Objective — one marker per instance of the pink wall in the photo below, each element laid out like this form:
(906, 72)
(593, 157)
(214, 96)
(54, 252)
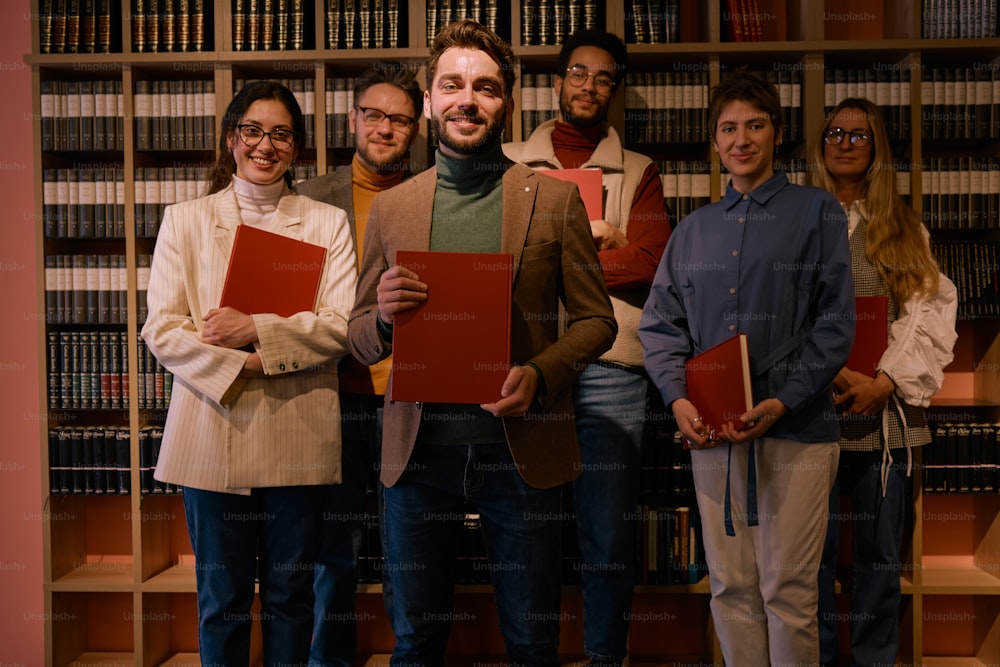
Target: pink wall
(21, 609)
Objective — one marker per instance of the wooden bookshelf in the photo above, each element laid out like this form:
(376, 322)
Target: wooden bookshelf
(119, 572)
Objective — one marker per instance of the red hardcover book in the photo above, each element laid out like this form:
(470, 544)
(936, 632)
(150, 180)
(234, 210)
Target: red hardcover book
(455, 346)
(590, 185)
(271, 273)
(718, 382)
(871, 334)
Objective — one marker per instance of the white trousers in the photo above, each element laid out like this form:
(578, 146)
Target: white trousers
(763, 579)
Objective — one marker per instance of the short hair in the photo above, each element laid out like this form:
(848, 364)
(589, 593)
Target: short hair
(602, 40)
(392, 73)
(743, 85)
(469, 34)
(220, 174)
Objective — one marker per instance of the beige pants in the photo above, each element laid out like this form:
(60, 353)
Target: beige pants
(763, 580)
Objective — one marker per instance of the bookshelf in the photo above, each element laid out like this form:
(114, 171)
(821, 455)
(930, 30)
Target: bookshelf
(118, 568)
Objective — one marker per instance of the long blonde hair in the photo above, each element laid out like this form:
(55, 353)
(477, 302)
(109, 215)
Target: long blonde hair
(895, 239)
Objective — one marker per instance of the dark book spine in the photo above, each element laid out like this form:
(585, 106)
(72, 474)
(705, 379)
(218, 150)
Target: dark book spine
(139, 26)
(103, 26)
(123, 460)
(54, 371)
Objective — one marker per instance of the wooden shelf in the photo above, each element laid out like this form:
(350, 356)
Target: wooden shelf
(104, 660)
(958, 575)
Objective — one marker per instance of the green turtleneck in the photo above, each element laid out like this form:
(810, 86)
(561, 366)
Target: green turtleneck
(468, 205)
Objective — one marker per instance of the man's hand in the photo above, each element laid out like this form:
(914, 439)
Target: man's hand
(757, 421)
(398, 290)
(228, 327)
(607, 236)
(517, 393)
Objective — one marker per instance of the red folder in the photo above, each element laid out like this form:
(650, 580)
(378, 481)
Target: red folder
(871, 333)
(718, 382)
(271, 273)
(590, 185)
(454, 347)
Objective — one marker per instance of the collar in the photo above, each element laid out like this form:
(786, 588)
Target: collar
(256, 196)
(365, 177)
(609, 154)
(473, 171)
(760, 195)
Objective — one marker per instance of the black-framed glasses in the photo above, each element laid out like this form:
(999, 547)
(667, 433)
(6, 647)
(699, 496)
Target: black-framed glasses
(858, 138)
(252, 135)
(373, 118)
(578, 75)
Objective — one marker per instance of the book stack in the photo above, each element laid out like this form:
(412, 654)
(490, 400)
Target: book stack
(85, 202)
(686, 186)
(667, 106)
(962, 458)
(85, 289)
(87, 370)
(668, 545)
(271, 25)
(76, 26)
(887, 85)
(175, 115)
(365, 24)
(89, 460)
(652, 21)
(82, 115)
(973, 267)
(168, 26)
(158, 187)
(961, 193)
(960, 102)
(539, 102)
(742, 20)
(948, 19)
(548, 22)
(304, 91)
(487, 12)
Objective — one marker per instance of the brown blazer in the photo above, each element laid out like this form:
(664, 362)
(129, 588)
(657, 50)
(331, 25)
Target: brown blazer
(546, 229)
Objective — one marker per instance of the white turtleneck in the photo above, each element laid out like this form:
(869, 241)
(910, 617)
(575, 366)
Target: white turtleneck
(259, 203)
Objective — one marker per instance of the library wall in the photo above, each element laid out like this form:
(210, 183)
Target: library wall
(22, 618)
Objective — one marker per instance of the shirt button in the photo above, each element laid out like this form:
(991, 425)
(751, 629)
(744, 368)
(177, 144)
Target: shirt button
(281, 367)
(295, 365)
(732, 290)
(740, 220)
(732, 327)
(744, 197)
(736, 252)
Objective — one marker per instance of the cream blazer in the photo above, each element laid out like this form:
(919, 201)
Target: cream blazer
(224, 433)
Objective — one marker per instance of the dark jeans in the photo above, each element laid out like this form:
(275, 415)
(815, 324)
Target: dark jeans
(269, 535)
(878, 526)
(424, 515)
(334, 641)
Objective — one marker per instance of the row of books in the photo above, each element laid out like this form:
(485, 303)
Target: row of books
(365, 24)
(82, 115)
(686, 186)
(548, 22)
(166, 26)
(158, 187)
(668, 545)
(539, 102)
(270, 25)
(961, 102)
(175, 115)
(88, 370)
(339, 101)
(155, 383)
(85, 289)
(304, 91)
(150, 440)
(653, 22)
(442, 12)
(887, 85)
(90, 460)
(974, 267)
(72, 26)
(84, 202)
(950, 19)
(742, 20)
(962, 459)
(961, 193)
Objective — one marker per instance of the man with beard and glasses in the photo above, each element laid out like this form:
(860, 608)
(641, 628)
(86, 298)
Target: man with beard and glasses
(610, 396)
(383, 121)
(504, 460)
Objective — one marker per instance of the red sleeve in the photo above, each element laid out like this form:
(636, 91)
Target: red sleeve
(647, 232)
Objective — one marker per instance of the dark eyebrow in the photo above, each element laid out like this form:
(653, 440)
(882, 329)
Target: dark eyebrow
(600, 71)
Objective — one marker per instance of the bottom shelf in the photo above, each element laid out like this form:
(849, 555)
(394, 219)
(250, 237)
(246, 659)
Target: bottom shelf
(104, 660)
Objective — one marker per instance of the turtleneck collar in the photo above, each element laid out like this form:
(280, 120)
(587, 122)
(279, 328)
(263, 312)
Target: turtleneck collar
(258, 197)
(365, 177)
(472, 172)
(578, 137)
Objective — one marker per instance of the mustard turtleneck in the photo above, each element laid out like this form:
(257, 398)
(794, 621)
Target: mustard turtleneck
(366, 183)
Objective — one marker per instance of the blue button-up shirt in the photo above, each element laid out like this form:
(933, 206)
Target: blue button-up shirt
(774, 264)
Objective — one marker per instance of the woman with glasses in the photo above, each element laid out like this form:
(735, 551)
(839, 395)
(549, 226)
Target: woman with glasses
(882, 415)
(253, 429)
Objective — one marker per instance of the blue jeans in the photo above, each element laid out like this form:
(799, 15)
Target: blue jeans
(878, 527)
(610, 406)
(334, 641)
(424, 515)
(269, 535)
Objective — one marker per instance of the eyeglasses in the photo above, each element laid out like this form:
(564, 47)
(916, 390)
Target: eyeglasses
(858, 138)
(578, 76)
(252, 135)
(373, 118)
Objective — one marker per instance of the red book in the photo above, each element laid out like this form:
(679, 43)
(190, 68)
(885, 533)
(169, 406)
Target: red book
(271, 273)
(871, 333)
(718, 382)
(590, 185)
(455, 346)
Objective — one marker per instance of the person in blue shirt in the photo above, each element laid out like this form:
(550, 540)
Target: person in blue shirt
(770, 260)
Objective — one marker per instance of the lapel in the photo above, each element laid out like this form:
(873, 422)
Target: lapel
(520, 186)
(418, 195)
